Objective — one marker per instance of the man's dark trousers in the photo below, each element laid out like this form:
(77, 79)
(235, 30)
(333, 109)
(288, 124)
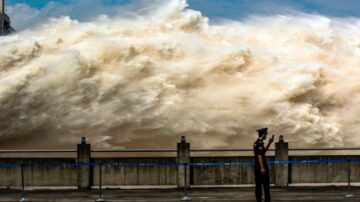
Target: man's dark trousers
(262, 180)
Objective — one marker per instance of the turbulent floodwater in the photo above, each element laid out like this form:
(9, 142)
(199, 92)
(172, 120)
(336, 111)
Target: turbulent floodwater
(145, 81)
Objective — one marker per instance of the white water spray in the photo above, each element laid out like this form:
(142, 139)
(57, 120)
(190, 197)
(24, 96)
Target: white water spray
(146, 81)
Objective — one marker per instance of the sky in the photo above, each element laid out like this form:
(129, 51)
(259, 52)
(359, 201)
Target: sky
(27, 13)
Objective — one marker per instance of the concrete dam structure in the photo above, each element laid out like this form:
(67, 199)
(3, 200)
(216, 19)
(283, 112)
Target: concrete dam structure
(5, 24)
(82, 170)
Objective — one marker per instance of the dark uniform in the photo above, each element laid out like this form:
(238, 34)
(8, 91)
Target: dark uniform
(261, 179)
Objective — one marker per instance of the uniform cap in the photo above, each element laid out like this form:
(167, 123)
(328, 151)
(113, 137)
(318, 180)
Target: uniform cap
(262, 131)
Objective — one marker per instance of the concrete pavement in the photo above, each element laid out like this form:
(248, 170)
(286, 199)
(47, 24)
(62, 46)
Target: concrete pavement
(204, 194)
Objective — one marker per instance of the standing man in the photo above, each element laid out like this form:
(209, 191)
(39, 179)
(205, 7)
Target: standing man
(261, 170)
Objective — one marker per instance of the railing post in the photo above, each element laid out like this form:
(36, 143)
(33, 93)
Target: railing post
(100, 199)
(23, 199)
(282, 169)
(183, 156)
(83, 171)
(349, 194)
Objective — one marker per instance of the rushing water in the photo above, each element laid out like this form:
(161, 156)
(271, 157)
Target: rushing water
(147, 80)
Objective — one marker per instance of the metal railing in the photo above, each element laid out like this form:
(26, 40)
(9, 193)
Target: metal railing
(134, 150)
(39, 151)
(186, 197)
(326, 149)
(224, 150)
(171, 150)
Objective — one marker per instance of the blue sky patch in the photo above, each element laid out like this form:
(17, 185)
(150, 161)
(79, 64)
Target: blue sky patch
(235, 9)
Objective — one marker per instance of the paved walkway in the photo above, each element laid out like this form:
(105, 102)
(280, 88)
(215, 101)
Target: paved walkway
(211, 194)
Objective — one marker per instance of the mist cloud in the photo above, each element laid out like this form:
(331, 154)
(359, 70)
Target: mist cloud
(147, 80)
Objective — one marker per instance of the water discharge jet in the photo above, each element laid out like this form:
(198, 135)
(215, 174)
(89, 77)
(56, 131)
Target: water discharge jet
(125, 82)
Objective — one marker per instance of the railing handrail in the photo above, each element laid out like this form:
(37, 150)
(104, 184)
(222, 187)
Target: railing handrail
(224, 150)
(290, 149)
(38, 151)
(174, 150)
(325, 148)
(134, 150)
